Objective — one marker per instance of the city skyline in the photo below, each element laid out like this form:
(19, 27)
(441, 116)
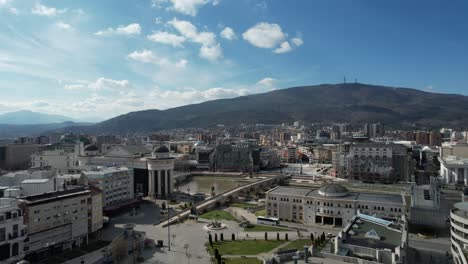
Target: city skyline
(94, 61)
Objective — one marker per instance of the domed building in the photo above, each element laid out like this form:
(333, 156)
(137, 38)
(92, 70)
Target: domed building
(333, 190)
(90, 150)
(331, 204)
(160, 172)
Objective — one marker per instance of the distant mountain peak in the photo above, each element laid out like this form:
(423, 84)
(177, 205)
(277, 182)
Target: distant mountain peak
(28, 117)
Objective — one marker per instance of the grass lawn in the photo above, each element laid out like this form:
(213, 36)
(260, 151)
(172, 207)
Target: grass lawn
(218, 215)
(261, 212)
(265, 228)
(242, 261)
(243, 205)
(244, 247)
(297, 244)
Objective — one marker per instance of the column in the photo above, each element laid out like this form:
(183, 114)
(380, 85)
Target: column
(159, 181)
(167, 188)
(151, 183)
(466, 175)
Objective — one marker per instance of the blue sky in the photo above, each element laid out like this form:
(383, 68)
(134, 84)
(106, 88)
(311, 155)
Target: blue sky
(93, 60)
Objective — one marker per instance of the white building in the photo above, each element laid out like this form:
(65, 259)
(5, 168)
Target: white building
(161, 172)
(12, 231)
(37, 186)
(459, 232)
(116, 183)
(65, 161)
(332, 204)
(454, 170)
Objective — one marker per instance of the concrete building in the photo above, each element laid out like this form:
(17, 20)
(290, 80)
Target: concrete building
(161, 172)
(59, 220)
(17, 156)
(332, 204)
(368, 238)
(374, 130)
(454, 170)
(116, 183)
(37, 186)
(422, 138)
(12, 231)
(457, 150)
(379, 162)
(237, 157)
(459, 232)
(64, 161)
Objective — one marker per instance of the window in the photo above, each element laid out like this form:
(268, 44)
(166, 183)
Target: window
(2, 234)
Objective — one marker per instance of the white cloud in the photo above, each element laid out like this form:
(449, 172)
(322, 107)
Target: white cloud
(187, 7)
(158, 20)
(43, 10)
(167, 38)
(264, 35)
(173, 98)
(211, 53)
(63, 25)
(130, 29)
(109, 84)
(147, 56)
(297, 41)
(283, 48)
(100, 84)
(5, 2)
(268, 82)
(228, 33)
(210, 49)
(13, 10)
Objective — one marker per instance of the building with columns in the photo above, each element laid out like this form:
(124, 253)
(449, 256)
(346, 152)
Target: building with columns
(160, 172)
(454, 170)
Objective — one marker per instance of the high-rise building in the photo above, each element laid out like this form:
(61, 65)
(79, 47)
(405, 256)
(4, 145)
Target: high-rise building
(435, 138)
(374, 130)
(422, 138)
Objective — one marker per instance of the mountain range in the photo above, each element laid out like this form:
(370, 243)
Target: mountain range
(351, 103)
(26, 117)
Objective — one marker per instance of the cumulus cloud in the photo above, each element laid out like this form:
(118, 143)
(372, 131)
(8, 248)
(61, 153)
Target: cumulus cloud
(63, 25)
(167, 38)
(5, 2)
(268, 82)
(297, 41)
(130, 29)
(283, 48)
(43, 10)
(147, 56)
(228, 33)
(264, 35)
(210, 49)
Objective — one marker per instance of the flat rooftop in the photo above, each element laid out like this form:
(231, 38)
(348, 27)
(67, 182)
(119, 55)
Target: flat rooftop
(381, 198)
(51, 196)
(389, 238)
(284, 190)
(33, 181)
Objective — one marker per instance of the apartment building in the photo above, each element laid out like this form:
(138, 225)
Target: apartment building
(12, 231)
(59, 220)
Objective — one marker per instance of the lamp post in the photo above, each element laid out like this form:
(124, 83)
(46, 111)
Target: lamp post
(168, 226)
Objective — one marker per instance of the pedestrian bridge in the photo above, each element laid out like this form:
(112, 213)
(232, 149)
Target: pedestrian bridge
(267, 181)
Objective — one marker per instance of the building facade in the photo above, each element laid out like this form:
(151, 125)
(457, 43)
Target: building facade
(331, 204)
(116, 183)
(459, 232)
(59, 220)
(161, 173)
(12, 231)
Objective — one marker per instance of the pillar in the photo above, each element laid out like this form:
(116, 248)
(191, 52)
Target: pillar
(466, 175)
(151, 183)
(167, 188)
(159, 181)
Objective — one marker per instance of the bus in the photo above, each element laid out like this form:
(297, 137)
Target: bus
(267, 220)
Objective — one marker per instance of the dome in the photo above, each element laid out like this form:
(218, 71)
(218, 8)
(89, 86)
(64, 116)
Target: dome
(333, 190)
(91, 148)
(161, 149)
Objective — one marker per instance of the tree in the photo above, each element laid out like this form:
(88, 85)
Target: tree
(323, 237)
(311, 237)
(233, 237)
(210, 239)
(216, 237)
(216, 252)
(222, 237)
(277, 236)
(286, 236)
(219, 259)
(266, 236)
